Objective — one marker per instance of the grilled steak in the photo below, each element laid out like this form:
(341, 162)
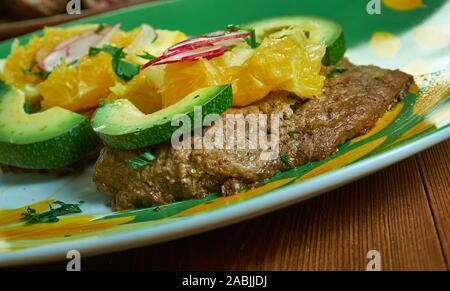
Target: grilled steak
(310, 130)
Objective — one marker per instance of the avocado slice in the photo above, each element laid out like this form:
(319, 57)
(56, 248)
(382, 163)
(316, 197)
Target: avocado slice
(122, 126)
(316, 28)
(51, 139)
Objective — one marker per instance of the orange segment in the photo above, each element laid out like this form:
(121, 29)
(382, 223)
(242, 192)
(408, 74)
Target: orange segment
(122, 38)
(185, 77)
(140, 91)
(279, 64)
(21, 57)
(78, 87)
(289, 63)
(304, 70)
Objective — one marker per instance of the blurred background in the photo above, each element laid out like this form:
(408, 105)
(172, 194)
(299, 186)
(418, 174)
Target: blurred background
(22, 16)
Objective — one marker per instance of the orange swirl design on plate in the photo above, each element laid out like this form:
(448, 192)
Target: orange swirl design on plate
(403, 5)
(12, 215)
(67, 226)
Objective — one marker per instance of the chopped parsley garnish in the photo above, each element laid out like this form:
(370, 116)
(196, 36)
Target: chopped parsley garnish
(93, 51)
(286, 161)
(123, 68)
(109, 49)
(141, 160)
(251, 41)
(73, 63)
(102, 102)
(31, 71)
(100, 28)
(51, 215)
(335, 71)
(147, 56)
(27, 108)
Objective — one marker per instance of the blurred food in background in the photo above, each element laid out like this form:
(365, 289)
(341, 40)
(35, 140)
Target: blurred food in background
(24, 9)
(22, 16)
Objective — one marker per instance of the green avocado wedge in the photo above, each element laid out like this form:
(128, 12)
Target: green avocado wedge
(122, 126)
(318, 30)
(51, 139)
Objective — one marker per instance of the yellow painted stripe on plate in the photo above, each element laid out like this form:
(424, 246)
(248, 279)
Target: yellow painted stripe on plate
(344, 159)
(12, 215)
(223, 201)
(73, 225)
(421, 127)
(382, 123)
(438, 119)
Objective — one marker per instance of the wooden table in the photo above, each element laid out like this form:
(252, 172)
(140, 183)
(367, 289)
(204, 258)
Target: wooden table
(402, 211)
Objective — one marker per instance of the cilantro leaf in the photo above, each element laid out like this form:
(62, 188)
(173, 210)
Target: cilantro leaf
(102, 102)
(335, 71)
(286, 161)
(114, 51)
(147, 56)
(251, 41)
(100, 28)
(124, 69)
(141, 160)
(31, 216)
(27, 108)
(109, 49)
(31, 71)
(93, 51)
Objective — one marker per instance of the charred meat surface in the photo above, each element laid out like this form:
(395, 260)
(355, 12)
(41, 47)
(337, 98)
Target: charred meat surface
(310, 130)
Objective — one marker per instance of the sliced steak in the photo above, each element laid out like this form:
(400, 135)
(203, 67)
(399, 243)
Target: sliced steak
(309, 130)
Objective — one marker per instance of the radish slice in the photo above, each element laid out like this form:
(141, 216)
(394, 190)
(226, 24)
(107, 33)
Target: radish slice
(205, 52)
(207, 40)
(207, 46)
(73, 48)
(146, 35)
(108, 34)
(230, 42)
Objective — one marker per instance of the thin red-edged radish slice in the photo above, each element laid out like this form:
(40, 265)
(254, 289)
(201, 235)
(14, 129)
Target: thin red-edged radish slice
(146, 35)
(227, 43)
(230, 42)
(74, 48)
(209, 39)
(108, 34)
(213, 44)
(70, 52)
(205, 53)
(70, 40)
(41, 54)
(216, 35)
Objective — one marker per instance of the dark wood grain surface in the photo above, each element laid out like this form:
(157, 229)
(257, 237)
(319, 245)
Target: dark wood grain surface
(402, 211)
